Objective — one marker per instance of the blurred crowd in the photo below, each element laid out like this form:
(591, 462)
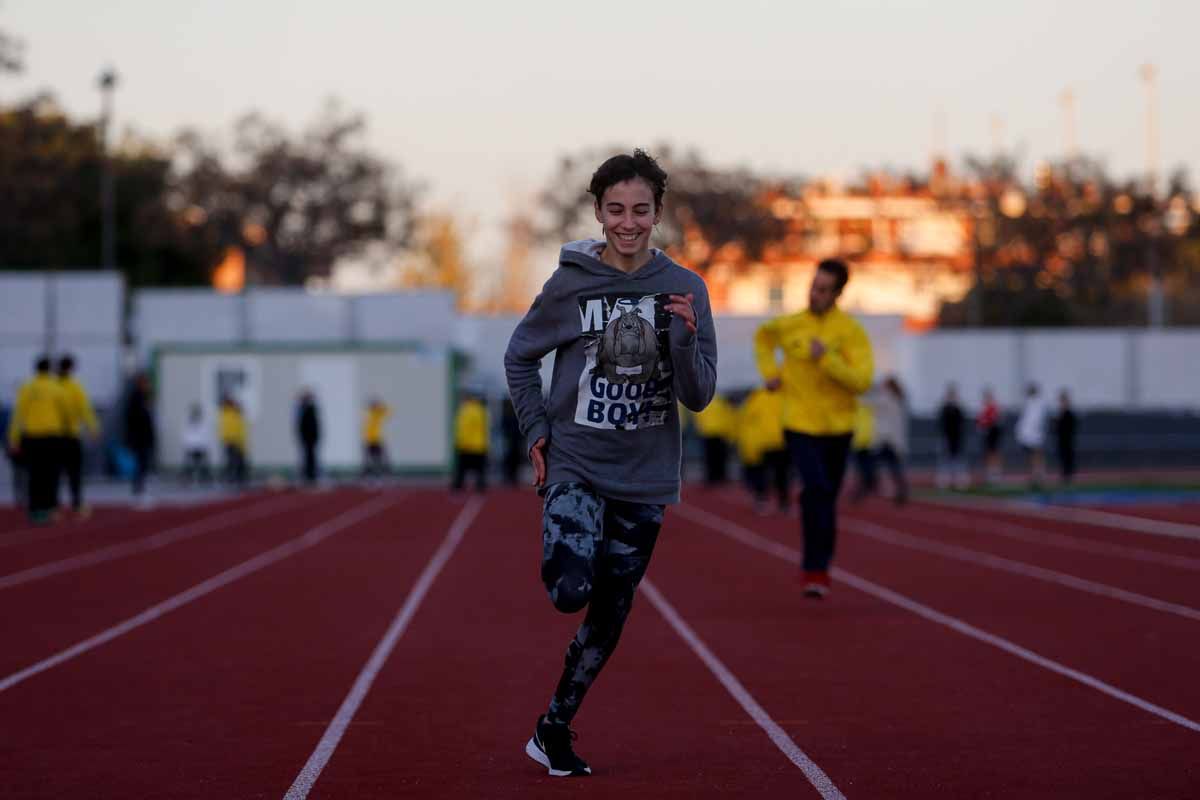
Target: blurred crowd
(51, 425)
(744, 430)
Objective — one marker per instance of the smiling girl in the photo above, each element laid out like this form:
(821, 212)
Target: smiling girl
(632, 335)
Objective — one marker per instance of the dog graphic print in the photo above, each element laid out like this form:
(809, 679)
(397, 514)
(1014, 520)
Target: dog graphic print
(626, 380)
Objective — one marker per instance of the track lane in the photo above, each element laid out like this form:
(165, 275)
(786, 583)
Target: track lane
(892, 705)
(1026, 534)
(40, 618)
(155, 538)
(1159, 579)
(1133, 648)
(225, 696)
(69, 537)
(1065, 520)
(451, 710)
(1186, 513)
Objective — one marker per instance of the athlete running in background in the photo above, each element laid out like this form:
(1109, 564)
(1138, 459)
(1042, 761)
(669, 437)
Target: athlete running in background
(827, 363)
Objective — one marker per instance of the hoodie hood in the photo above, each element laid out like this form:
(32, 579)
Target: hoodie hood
(585, 254)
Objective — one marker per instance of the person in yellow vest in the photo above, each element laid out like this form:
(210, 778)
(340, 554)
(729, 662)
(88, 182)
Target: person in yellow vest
(81, 418)
(39, 420)
(760, 439)
(827, 363)
(374, 452)
(471, 442)
(716, 425)
(231, 429)
(750, 454)
(862, 443)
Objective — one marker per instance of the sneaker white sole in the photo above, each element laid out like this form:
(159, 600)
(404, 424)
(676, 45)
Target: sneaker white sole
(535, 752)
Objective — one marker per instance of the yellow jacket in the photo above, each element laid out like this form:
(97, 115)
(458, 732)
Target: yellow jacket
(80, 414)
(471, 427)
(231, 427)
(718, 419)
(40, 410)
(818, 396)
(760, 425)
(372, 430)
(864, 428)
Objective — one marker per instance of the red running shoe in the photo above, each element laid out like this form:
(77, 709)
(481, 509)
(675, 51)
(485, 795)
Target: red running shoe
(816, 583)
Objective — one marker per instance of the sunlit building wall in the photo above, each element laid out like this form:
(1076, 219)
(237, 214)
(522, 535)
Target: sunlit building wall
(909, 253)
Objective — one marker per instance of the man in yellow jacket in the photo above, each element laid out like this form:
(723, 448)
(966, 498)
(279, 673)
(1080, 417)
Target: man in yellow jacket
(231, 429)
(81, 418)
(374, 454)
(717, 427)
(827, 363)
(862, 446)
(471, 442)
(761, 447)
(39, 420)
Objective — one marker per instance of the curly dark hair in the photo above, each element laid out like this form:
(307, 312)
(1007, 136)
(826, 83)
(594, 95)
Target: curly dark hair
(626, 167)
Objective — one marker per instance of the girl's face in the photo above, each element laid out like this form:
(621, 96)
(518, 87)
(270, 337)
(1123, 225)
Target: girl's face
(628, 215)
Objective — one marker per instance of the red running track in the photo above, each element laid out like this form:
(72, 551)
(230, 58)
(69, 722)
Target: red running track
(229, 694)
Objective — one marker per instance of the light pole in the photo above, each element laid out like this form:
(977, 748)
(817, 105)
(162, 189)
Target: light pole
(1067, 100)
(1149, 75)
(108, 227)
(1156, 302)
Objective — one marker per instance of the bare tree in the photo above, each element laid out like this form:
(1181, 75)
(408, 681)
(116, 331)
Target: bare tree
(295, 205)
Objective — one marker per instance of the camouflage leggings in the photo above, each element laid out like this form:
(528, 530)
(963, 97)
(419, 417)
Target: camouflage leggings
(595, 551)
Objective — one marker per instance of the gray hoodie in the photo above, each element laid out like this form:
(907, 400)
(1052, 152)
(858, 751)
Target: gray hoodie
(621, 363)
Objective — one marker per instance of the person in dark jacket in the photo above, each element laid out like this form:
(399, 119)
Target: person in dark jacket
(139, 432)
(1066, 426)
(952, 471)
(308, 431)
(19, 482)
(514, 443)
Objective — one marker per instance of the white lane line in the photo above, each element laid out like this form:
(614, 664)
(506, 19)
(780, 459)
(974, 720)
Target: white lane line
(1024, 533)
(145, 544)
(751, 539)
(43, 534)
(816, 776)
(892, 536)
(306, 540)
(1084, 516)
(304, 782)
(95, 525)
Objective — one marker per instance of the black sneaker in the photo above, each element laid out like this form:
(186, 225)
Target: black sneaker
(551, 747)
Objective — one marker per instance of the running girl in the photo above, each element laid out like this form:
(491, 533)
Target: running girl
(632, 334)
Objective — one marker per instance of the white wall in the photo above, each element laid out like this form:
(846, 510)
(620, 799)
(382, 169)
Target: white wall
(971, 361)
(414, 383)
(264, 316)
(1103, 368)
(1166, 369)
(76, 312)
(185, 316)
